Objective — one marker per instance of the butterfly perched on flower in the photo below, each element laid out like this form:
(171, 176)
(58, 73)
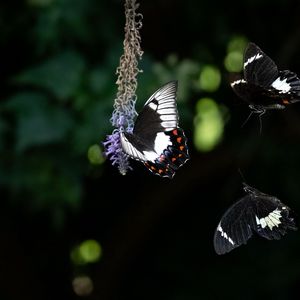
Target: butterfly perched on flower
(256, 212)
(156, 139)
(263, 86)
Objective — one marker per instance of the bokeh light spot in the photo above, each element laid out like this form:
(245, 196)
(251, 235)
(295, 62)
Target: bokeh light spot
(90, 251)
(209, 125)
(82, 285)
(76, 257)
(95, 155)
(210, 78)
(234, 61)
(237, 43)
(235, 52)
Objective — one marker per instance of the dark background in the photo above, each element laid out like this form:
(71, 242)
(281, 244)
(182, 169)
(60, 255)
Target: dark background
(58, 62)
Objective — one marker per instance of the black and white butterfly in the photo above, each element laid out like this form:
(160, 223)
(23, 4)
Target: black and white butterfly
(263, 87)
(256, 212)
(156, 140)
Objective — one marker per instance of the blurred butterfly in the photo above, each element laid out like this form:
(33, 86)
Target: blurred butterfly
(256, 212)
(263, 86)
(156, 139)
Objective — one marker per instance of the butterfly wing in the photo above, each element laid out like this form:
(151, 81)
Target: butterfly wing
(172, 157)
(263, 85)
(287, 86)
(261, 213)
(259, 73)
(272, 218)
(246, 90)
(234, 229)
(259, 69)
(159, 113)
(156, 139)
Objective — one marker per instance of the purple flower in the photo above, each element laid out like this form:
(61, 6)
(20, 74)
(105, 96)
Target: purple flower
(123, 120)
(113, 150)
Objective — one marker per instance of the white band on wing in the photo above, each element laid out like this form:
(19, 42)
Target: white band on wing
(253, 58)
(281, 85)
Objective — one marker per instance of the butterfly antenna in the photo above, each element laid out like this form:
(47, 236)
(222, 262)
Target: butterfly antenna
(247, 119)
(246, 187)
(243, 178)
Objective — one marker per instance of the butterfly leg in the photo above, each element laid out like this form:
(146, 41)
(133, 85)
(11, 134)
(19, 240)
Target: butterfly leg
(260, 122)
(260, 110)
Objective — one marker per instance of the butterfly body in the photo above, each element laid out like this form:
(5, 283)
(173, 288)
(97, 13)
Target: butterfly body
(156, 139)
(263, 86)
(256, 212)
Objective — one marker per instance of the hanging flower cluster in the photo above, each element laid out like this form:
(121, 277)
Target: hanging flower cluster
(124, 106)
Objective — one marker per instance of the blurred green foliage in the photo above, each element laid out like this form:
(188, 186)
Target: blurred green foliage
(209, 124)
(57, 105)
(235, 52)
(210, 78)
(89, 251)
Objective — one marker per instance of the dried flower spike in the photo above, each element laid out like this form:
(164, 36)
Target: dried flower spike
(124, 106)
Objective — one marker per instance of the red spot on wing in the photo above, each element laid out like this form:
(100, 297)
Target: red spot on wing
(285, 101)
(172, 157)
(175, 132)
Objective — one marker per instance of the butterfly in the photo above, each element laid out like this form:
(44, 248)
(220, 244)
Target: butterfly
(263, 87)
(256, 212)
(156, 139)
